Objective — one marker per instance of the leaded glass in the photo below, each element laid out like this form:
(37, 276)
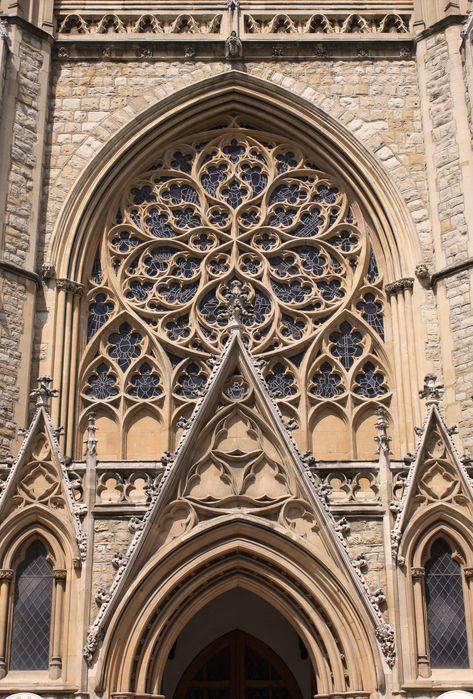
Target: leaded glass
(102, 384)
(448, 644)
(373, 272)
(157, 223)
(145, 384)
(142, 195)
(32, 611)
(369, 382)
(326, 383)
(280, 382)
(99, 313)
(346, 344)
(124, 345)
(372, 312)
(311, 223)
(191, 382)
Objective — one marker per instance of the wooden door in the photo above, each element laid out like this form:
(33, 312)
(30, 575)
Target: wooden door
(237, 666)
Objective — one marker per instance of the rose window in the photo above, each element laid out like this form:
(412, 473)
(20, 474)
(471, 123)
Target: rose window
(236, 205)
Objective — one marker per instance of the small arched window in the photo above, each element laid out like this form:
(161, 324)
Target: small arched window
(32, 611)
(446, 625)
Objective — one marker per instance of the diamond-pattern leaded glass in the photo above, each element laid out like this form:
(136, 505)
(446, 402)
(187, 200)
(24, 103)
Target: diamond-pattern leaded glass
(445, 609)
(32, 611)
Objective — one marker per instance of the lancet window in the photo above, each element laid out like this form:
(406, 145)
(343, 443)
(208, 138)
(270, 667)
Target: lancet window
(235, 204)
(32, 608)
(448, 646)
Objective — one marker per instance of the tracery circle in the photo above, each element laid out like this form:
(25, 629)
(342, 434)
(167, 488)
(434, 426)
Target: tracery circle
(236, 204)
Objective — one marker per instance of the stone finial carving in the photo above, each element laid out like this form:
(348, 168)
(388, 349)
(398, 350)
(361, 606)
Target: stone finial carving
(236, 298)
(91, 441)
(233, 47)
(44, 393)
(233, 5)
(382, 439)
(3, 30)
(432, 391)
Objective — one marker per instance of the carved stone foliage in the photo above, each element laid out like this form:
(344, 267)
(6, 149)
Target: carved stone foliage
(39, 481)
(238, 468)
(183, 23)
(326, 24)
(235, 207)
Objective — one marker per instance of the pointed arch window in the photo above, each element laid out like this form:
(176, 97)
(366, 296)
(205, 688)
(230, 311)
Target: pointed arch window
(446, 625)
(32, 611)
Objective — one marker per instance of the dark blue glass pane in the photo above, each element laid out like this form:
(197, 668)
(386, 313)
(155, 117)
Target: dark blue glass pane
(102, 384)
(99, 312)
(191, 382)
(280, 382)
(143, 195)
(372, 312)
(158, 224)
(325, 383)
(346, 344)
(369, 383)
(445, 609)
(125, 345)
(310, 226)
(32, 611)
(145, 384)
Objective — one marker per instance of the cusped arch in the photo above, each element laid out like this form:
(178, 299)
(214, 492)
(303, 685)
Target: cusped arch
(173, 585)
(441, 521)
(261, 100)
(37, 521)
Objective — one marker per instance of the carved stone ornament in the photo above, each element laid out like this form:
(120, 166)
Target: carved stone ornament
(385, 636)
(233, 47)
(399, 286)
(432, 391)
(3, 30)
(44, 392)
(6, 574)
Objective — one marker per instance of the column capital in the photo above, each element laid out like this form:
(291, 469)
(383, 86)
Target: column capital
(59, 574)
(68, 285)
(399, 286)
(6, 574)
(418, 572)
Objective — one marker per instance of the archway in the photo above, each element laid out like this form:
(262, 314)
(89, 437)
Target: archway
(227, 622)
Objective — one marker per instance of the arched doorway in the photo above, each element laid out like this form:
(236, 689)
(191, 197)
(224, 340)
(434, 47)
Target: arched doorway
(237, 666)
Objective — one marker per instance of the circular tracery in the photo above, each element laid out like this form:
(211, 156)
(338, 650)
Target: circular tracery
(235, 208)
(236, 205)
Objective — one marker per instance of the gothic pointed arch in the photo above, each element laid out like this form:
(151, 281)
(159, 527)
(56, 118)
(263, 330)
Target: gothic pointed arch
(235, 554)
(297, 223)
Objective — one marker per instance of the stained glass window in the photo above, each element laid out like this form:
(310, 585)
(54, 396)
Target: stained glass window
(32, 611)
(236, 204)
(445, 609)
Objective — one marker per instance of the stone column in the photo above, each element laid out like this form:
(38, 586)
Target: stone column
(423, 665)
(55, 663)
(6, 576)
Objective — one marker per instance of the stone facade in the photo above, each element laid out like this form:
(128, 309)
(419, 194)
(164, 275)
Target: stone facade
(338, 546)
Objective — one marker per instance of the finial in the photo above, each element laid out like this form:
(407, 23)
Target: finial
(91, 441)
(233, 5)
(44, 393)
(432, 391)
(236, 298)
(382, 439)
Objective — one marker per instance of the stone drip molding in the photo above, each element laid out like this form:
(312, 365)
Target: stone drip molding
(432, 393)
(43, 395)
(305, 464)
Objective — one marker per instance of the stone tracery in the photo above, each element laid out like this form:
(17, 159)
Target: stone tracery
(236, 205)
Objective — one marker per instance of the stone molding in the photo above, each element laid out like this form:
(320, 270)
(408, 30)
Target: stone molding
(6, 574)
